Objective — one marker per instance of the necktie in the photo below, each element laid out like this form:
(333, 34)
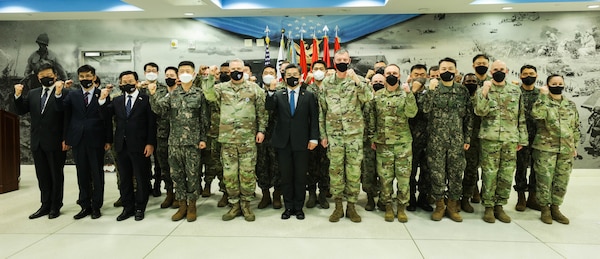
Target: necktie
(85, 98)
(292, 102)
(128, 105)
(44, 98)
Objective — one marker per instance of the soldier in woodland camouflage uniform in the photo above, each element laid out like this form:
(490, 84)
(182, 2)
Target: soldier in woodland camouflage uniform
(555, 145)
(471, 175)
(242, 123)
(369, 178)
(448, 105)
(503, 132)
(390, 136)
(342, 128)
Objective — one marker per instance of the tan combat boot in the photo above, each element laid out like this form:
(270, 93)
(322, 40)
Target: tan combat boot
(338, 212)
(389, 213)
(312, 199)
(223, 201)
(488, 215)
(546, 216)
(438, 213)
(175, 205)
(266, 199)
(557, 215)
(532, 202)
(248, 215)
(277, 199)
(466, 205)
(402, 214)
(500, 214)
(168, 200)
(233, 212)
(181, 212)
(206, 191)
(191, 211)
(521, 202)
(452, 211)
(351, 213)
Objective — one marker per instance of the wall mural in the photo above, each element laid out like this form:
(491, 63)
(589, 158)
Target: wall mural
(564, 43)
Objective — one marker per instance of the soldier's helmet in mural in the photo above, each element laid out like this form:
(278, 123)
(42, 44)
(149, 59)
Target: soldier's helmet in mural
(43, 39)
(597, 109)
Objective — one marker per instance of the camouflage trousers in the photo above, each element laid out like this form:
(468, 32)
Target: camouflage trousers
(394, 162)
(370, 183)
(267, 169)
(345, 157)
(239, 165)
(446, 166)
(471, 175)
(553, 172)
(161, 155)
(185, 165)
(524, 160)
(211, 159)
(497, 167)
(419, 163)
(318, 169)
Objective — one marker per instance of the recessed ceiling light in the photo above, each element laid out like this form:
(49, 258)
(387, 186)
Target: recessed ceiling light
(593, 6)
(507, 8)
(188, 14)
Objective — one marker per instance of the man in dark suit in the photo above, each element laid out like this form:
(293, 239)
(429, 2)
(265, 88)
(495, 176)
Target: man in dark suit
(135, 139)
(89, 134)
(47, 147)
(296, 132)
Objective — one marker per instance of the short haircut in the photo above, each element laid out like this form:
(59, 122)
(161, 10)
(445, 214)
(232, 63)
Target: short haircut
(481, 56)
(246, 64)
(291, 66)
(318, 62)
(152, 64)
(187, 63)
(528, 67)
(98, 81)
(393, 65)
(451, 60)
(225, 64)
(552, 76)
(469, 74)
(86, 68)
(269, 66)
(418, 66)
(341, 51)
(434, 68)
(239, 60)
(172, 68)
(128, 72)
(44, 67)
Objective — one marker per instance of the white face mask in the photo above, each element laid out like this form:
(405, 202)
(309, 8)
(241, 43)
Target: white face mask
(246, 76)
(267, 79)
(318, 75)
(186, 78)
(151, 76)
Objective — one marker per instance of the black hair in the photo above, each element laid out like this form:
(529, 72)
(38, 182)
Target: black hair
(418, 66)
(291, 66)
(187, 63)
(318, 62)
(481, 56)
(269, 66)
(225, 64)
(172, 68)
(152, 64)
(98, 81)
(528, 67)
(451, 60)
(434, 68)
(86, 68)
(44, 67)
(128, 72)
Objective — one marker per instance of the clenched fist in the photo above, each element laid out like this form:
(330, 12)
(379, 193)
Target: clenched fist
(486, 88)
(18, 89)
(433, 84)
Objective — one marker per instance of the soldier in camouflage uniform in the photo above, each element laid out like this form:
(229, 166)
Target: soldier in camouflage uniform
(555, 145)
(151, 76)
(342, 128)
(471, 175)
(389, 133)
(503, 132)
(369, 178)
(187, 136)
(242, 123)
(524, 160)
(449, 107)
(318, 162)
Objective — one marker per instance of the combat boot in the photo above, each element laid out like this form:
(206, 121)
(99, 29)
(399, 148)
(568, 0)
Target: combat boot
(500, 214)
(181, 212)
(422, 202)
(476, 195)
(466, 205)
(389, 213)
(370, 203)
(266, 199)
(412, 203)
(338, 212)
(312, 199)
(233, 212)
(248, 215)
(191, 211)
(532, 202)
(206, 191)
(380, 204)
(168, 200)
(546, 216)
(488, 215)
(277, 199)
(223, 201)
(401, 214)
(323, 200)
(452, 211)
(440, 208)
(557, 215)
(351, 213)
(521, 202)
(175, 204)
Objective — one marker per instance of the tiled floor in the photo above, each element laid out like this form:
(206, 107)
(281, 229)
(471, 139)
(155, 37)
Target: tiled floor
(270, 237)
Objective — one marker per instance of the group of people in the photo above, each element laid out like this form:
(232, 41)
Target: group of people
(331, 128)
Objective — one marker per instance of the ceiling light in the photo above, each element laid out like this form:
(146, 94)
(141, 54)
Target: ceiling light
(188, 14)
(593, 6)
(507, 8)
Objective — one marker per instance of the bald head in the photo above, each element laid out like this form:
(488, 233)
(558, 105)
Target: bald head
(377, 78)
(498, 66)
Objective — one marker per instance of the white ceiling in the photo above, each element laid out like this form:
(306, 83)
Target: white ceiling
(206, 8)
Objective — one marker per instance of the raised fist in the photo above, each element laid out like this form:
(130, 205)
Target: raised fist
(433, 84)
(18, 89)
(486, 88)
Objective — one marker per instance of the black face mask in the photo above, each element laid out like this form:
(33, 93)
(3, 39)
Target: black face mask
(224, 78)
(481, 69)
(292, 81)
(471, 87)
(391, 80)
(86, 83)
(237, 75)
(342, 67)
(447, 76)
(380, 71)
(556, 89)
(499, 76)
(170, 81)
(128, 88)
(47, 81)
(377, 87)
(528, 80)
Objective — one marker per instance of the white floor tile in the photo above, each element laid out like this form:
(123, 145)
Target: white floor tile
(13, 243)
(575, 251)
(484, 249)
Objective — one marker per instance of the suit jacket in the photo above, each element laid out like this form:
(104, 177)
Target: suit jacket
(297, 129)
(47, 128)
(138, 129)
(87, 126)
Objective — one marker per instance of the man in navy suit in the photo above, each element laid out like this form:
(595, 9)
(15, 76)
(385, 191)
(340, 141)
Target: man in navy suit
(47, 146)
(296, 132)
(135, 139)
(89, 134)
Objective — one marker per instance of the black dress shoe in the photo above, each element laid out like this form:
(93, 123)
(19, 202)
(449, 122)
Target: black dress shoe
(411, 207)
(287, 214)
(424, 206)
(124, 215)
(53, 214)
(156, 189)
(96, 213)
(139, 215)
(300, 215)
(83, 213)
(39, 213)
